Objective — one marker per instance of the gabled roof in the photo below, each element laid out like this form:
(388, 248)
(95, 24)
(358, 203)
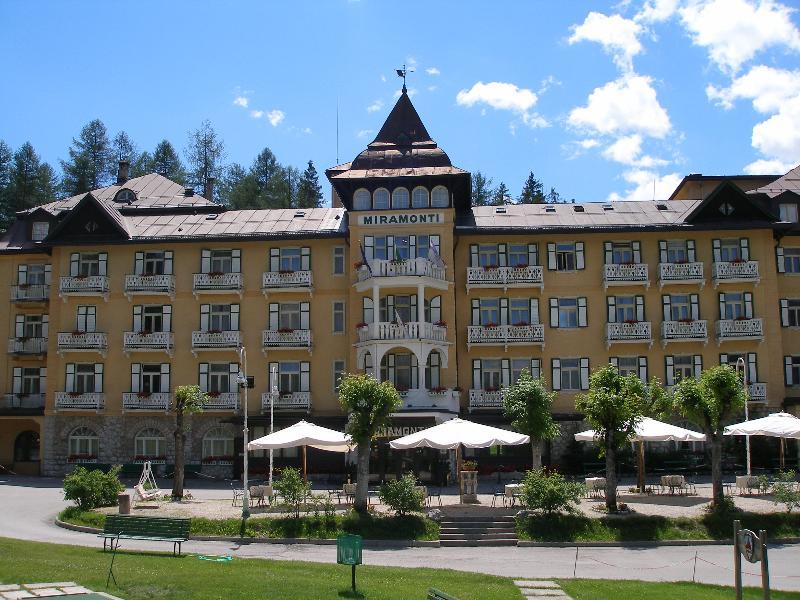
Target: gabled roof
(729, 203)
(787, 183)
(90, 219)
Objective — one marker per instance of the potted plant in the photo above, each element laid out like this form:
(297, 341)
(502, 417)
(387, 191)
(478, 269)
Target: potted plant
(285, 330)
(469, 481)
(145, 332)
(143, 394)
(78, 332)
(631, 321)
(286, 271)
(216, 274)
(490, 267)
(521, 266)
(441, 323)
(361, 325)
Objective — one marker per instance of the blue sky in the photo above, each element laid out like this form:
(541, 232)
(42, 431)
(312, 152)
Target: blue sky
(598, 99)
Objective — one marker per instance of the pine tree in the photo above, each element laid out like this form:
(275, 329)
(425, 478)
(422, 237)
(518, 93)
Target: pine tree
(501, 195)
(91, 164)
(31, 183)
(237, 188)
(167, 163)
(205, 154)
(279, 191)
(481, 189)
(142, 164)
(6, 162)
(553, 197)
(124, 148)
(532, 191)
(264, 168)
(309, 192)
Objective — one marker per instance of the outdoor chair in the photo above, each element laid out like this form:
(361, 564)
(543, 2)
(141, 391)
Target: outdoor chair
(143, 495)
(238, 493)
(499, 492)
(434, 494)
(348, 491)
(261, 494)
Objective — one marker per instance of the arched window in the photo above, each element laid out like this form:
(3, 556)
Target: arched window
(419, 199)
(401, 369)
(433, 371)
(400, 198)
(380, 199)
(362, 200)
(125, 195)
(440, 197)
(217, 445)
(26, 447)
(84, 443)
(433, 310)
(150, 444)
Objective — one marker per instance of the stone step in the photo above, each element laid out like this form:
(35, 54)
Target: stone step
(501, 535)
(479, 528)
(477, 518)
(536, 583)
(537, 593)
(499, 542)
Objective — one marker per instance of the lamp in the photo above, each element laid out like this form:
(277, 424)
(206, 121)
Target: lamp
(746, 402)
(241, 380)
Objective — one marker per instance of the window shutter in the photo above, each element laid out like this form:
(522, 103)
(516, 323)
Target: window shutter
(390, 308)
(716, 248)
(608, 253)
(722, 305)
(534, 310)
(138, 263)
(45, 326)
(744, 244)
(48, 273)
(168, 260)
(694, 306)
(69, 381)
(17, 385)
(698, 365)
(137, 318)
(103, 263)
(502, 254)
(580, 262)
(637, 252)
(476, 374)
(669, 370)
(666, 303)
(274, 314)
(691, 252)
(612, 308)
(584, 373)
(504, 311)
(234, 317)
(551, 256)
(91, 318)
(414, 313)
(165, 378)
(80, 321)
(779, 259)
(643, 368)
(305, 376)
(305, 308)
(748, 305)
(22, 274)
(368, 311)
(272, 374)
(582, 320)
(476, 311)
(412, 247)
(662, 251)
(787, 370)
(752, 367)
(536, 368)
(556, 373)
(505, 372)
(205, 309)
(20, 326)
(74, 264)
(236, 261)
(166, 318)
(436, 309)
(98, 378)
(553, 312)
(533, 254)
(390, 366)
(305, 258)
(42, 379)
(390, 247)
(205, 261)
(203, 377)
(274, 260)
(233, 372)
(614, 361)
(784, 312)
(136, 374)
(640, 308)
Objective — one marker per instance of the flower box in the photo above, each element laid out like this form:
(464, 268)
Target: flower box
(214, 331)
(82, 458)
(74, 394)
(489, 325)
(213, 394)
(685, 320)
(742, 319)
(359, 265)
(216, 274)
(491, 389)
(285, 330)
(286, 271)
(630, 321)
(521, 266)
(521, 324)
(217, 460)
(738, 261)
(490, 267)
(441, 323)
(143, 394)
(81, 277)
(437, 391)
(361, 325)
(144, 332)
(78, 332)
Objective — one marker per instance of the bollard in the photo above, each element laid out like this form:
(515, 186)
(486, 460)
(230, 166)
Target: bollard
(124, 503)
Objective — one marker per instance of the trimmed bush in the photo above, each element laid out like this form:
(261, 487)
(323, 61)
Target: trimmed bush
(92, 489)
(401, 496)
(786, 491)
(549, 492)
(293, 489)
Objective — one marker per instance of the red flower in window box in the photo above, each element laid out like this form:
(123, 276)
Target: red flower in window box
(24, 286)
(490, 324)
(439, 390)
(682, 262)
(361, 325)
(631, 321)
(75, 394)
(285, 330)
(216, 274)
(685, 320)
(213, 394)
(738, 261)
(521, 324)
(285, 271)
(490, 267)
(81, 277)
(81, 456)
(521, 266)
(143, 394)
(145, 332)
(77, 332)
(359, 265)
(742, 318)
(441, 323)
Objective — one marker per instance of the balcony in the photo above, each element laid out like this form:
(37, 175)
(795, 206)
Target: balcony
(287, 402)
(684, 331)
(218, 283)
(142, 341)
(221, 401)
(505, 277)
(216, 340)
(22, 403)
(739, 329)
(411, 267)
(736, 272)
(80, 401)
(681, 273)
(626, 274)
(413, 330)
(637, 332)
(84, 285)
(485, 400)
(22, 346)
(146, 401)
(286, 338)
(757, 392)
(82, 341)
(422, 400)
(287, 281)
(30, 293)
(149, 285)
(505, 335)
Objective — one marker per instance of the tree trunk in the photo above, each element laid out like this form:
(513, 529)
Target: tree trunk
(177, 481)
(536, 449)
(362, 477)
(716, 468)
(640, 464)
(611, 478)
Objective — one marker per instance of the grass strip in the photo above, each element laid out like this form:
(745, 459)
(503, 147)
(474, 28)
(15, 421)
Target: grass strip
(593, 589)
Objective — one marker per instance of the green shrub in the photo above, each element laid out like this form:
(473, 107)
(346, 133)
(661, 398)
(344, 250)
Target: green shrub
(91, 489)
(293, 489)
(786, 491)
(550, 492)
(401, 495)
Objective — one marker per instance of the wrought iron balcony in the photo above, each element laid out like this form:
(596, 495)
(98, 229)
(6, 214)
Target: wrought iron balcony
(485, 400)
(684, 331)
(221, 401)
(757, 392)
(218, 283)
(629, 333)
(142, 341)
(505, 335)
(84, 285)
(146, 401)
(413, 330)
(25, 345)
(216, 340)
(286, 338)
(739, 329)
(83, 341)
(150, 285)
(80, 400)
(22, 402)
(287, 401)
(688, 272)
(286, 281)
(30, 293)
(626, 274)
(505, 277)
(412, 267)
(736, 272)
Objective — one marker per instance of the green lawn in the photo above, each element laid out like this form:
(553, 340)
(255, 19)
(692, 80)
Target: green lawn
(590, 589)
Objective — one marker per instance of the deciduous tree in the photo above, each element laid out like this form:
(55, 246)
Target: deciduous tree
(189, 400)
(527, 404)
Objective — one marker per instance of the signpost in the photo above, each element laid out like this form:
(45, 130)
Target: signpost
(754, 549)
(348, 552)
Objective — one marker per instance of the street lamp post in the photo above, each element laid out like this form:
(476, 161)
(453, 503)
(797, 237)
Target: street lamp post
(273, 394)
(242, 381)
(746, 402)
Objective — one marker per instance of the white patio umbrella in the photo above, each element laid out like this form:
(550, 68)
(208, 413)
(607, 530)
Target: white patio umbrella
(651, 430)
(781, 425)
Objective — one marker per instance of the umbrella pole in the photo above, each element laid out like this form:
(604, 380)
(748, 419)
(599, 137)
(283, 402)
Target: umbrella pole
(458, 470)
(641, 466)
(783, 454)
(305, 469)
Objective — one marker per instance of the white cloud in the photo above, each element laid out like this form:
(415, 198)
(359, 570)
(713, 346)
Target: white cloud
(256, 114)
(627, 150)
(364, 133)
(498, 95)
(588, 143)
(768, 167)
(306, 130)
(734, 31)
(410, 91)
(432, 88)
(546, 84)
(656, 11)
(411, 62)
(625, 105)
(375, 106)
(767, 87)
(618, 36)
(242, 101)
(578, 148)
(383, 78)
(275, 117)
(534, 120)
(779, 136)
(648, 185)
(433, 71)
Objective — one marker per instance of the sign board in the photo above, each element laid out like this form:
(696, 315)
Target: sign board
(348, 549)
(750, 545)
(421, 218)
(396, 431)
(754, 549)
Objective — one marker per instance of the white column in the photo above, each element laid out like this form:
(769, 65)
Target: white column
(421, 375)
(420, 302)
(375, 304)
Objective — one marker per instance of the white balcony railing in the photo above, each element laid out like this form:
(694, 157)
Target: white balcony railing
(218, 282)
(221, 401)
(152, 401)
(422, 399)
(150, 284)
(740, 329)
(736, 272)
(86, 341)
(20, 401)
(627, 274)
(287, 280)
(684, 331)
(80, 285)
(689, 272)
(413, 330)
(295, 338)
(412, 267)
(295, 401)
(143, 342)
(505, 335)
(211, 340)
(636, 332)
(485, 400)
(505, 277)
(757, 392)
(34, 345)
(30, 293)
(80, 401)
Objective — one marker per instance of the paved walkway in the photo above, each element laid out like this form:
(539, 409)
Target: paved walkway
(29, 505)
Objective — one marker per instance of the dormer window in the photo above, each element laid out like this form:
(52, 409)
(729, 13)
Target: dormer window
(380, 199)
(126, 196)
(420, 198)
(39, 230)
(362, 200)
(400, 198)
(440, 198)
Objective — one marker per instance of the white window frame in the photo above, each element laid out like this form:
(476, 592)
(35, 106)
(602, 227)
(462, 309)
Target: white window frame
(150, 443)
(83, 440)
(39, 230)
(339, 310)
(385, 199)
(339, 265)
(217, 443)
(362, 199)
(397, 198)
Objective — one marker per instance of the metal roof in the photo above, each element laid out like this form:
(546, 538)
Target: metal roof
(788, 183)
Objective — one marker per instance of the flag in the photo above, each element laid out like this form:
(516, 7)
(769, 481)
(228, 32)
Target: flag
(398, 319)
(397, 256)
(364, 257)
(433, 255)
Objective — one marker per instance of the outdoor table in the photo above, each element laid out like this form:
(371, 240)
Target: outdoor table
(595, 485)
(672, 482)
(512, 491)
(746, 483)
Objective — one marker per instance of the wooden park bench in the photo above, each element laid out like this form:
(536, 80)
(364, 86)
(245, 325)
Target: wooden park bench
(146, 528)
(434, 594)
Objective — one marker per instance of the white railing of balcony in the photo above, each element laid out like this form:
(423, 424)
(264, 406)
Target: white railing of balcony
(689, 272)
(412, 267)
(80, 285)
(144, 401)
(80, 401)
(286, 279)
(632, 274)
(218, 282)
(740, 329)
(36, 345)
(417, 398)
(216, 339)
(485, 400)
(221, 401)
(287, 401)
(156, 340)
(30, 293)
(150, 284)
(505, 334)
(91, 340)
(684, 331)
(640, 331)
(413, 330)
(295, 338)
(735, 272)
(505, 277)
(22, 401)
(757, 392)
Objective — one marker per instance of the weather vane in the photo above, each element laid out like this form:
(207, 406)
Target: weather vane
(402, 73)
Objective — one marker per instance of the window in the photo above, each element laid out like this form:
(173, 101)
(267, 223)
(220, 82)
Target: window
(490, 312)
(381, 250)
(680, 307)
(517, 255)
(424, 245)
(792, 313)
(401, 369)
(86, 319)
(433, 374)
(289, 315)
(791, 260)
(84, 379)
(440, 198)
(788, 212)
(627, 365)
(149, 443)
(219, 317)
(89, 265)
(33, 326)
(338, 260)
(683, 367)
(730, 249)
(217, 444)
(733, 305)
(152, 318)
(153, 263)
(36, 275)
(400, 198)
(677, 251)
(150, 379)
(565, 257)
(289, 377)
(621, 253)
(290, 259)
(402, 247)
(380, 199)
(221, 261)
(402, 306)
(570, 374)
(338, 372)
(40, 228)
(338, 317)
(518, 365)
(419, 198)
(625, 309)
(84, 443)
(491, 374)
(488, 255)
(31, 380)
(362, 200)
(520, 311)
(792, 370)
(567, 312)
(219, 380)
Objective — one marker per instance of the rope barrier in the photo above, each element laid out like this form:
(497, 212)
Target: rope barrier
(642, 568)
(708, 562)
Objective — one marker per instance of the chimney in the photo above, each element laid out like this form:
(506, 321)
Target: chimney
(188, 192)
(122, 172)
(208, 192)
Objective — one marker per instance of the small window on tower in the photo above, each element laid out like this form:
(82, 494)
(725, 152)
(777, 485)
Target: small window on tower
(39, 230)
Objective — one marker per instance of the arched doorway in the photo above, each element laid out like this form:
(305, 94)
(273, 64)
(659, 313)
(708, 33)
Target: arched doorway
(26, 447)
